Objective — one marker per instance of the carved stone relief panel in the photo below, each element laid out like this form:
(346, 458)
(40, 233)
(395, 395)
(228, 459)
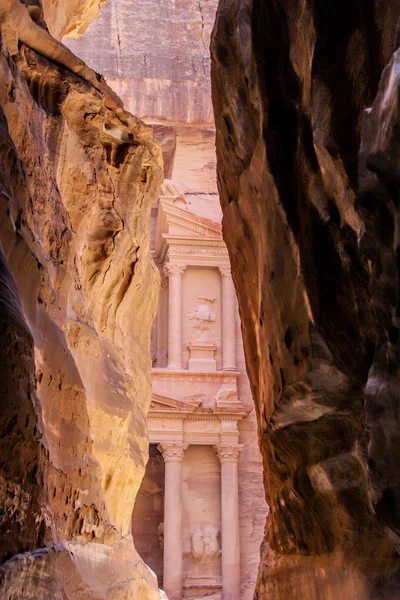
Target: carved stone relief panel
(201, 310)
(203, 318)
(205, 543)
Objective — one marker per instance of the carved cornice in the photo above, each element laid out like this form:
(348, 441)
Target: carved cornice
(229, 415)
(194, 228)
(197, 250)
(228, 453)
(172, 452)
(164, 374)
(172, 269)
(174, 240)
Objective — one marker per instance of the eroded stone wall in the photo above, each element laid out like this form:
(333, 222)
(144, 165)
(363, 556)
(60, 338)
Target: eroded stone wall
(311, 226)
(78, 176)
(155, 55)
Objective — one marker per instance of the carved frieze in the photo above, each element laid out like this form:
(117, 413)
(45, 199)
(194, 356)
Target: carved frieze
(227, 394)
(197, 251)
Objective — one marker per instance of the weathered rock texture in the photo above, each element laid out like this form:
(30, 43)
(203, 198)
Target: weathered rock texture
(78, 176)
(311, 223)
(155, 55)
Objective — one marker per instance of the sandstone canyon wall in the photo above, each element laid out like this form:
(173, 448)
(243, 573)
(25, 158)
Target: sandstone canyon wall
(155, 55)
(309, 185)
(78, 176)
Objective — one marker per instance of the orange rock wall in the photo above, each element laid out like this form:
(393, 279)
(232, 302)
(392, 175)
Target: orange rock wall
(78, 176)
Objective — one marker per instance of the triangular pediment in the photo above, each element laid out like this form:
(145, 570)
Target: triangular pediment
(177, 221)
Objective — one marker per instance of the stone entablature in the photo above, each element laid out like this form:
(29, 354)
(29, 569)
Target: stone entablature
(184, 384)
(174, 422)
(192, 376)
(204, 252)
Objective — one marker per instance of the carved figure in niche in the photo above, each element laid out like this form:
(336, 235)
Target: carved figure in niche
(205, 544)
(170, 191)
(202, 318)
(227, 394)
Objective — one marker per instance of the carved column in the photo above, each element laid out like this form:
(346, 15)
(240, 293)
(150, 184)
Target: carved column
(228, 320)
(230, 534)
(174, 273)
(173, 456)
(162, 323)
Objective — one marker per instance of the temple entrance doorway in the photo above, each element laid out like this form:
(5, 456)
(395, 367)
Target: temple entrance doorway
(201, 522)
(199, 504)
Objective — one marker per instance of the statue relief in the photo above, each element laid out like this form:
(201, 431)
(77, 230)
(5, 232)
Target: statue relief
(203, 318)
(226, 394)
(205, 544)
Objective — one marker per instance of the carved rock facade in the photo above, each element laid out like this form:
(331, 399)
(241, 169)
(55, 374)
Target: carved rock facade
(78, 176)
(309, 188)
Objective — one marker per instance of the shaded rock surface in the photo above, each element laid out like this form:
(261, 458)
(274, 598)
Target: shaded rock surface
(78, 176)
(309, 187)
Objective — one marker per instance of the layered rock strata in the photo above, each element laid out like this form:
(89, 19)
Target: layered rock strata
(309, 188)
(78, 176)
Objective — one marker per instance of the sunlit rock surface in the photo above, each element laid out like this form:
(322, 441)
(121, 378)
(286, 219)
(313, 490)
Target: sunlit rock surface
(69, 18)
(156, 56)
(309, 186)
(78, 176)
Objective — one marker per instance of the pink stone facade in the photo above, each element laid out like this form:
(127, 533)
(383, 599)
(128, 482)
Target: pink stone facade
(201, 415)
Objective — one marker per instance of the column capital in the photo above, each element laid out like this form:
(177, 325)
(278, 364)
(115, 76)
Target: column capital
(173, 269)
(225, 271)
(229, 453)
(172, 452)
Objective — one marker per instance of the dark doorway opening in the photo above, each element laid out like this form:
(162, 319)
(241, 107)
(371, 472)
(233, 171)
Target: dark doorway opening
(148, 514)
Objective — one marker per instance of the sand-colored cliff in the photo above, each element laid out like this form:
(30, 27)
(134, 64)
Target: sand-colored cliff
(78, 177)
